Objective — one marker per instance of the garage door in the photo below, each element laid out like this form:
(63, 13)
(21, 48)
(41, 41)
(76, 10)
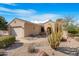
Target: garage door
(18, 32)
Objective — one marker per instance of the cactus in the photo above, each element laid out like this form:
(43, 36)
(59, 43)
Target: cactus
(55, 37)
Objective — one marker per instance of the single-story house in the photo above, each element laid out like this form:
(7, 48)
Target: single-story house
(22, 28)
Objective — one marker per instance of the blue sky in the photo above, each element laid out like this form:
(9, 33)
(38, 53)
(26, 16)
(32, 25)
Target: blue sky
(38, 12)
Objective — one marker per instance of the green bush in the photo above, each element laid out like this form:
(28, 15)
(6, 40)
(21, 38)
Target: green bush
(5, 41)
(73, 31)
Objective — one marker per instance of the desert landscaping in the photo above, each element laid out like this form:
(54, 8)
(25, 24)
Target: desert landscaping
(49, 39)
(20, 48)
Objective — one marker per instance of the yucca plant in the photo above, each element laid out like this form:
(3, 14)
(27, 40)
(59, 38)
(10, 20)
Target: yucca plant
(55, 37)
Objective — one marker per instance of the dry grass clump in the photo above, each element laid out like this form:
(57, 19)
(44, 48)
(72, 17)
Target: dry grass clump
(32, 48)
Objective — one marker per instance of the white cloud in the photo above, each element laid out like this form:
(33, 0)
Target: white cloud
(22, 12)
(19, 12)
(12, 4)
(29, 14)
(4, 9)
(2, 13)
(44, 17)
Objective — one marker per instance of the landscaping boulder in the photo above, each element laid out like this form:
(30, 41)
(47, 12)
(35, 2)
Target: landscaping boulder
(64, 36)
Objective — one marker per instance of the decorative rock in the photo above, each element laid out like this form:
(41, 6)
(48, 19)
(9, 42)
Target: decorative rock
(64, 39)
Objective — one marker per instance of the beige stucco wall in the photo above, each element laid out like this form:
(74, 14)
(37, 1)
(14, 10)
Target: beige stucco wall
(17, 22)
(31, 29)
(37, 29)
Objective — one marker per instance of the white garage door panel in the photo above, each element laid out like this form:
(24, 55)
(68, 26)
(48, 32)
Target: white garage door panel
(18, 32)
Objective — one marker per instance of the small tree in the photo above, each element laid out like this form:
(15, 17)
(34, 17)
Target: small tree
(69, 25)
(3, 23)
(68, 21)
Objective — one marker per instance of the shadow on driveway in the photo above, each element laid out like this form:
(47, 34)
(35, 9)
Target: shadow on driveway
(14, 46)
(68, 51)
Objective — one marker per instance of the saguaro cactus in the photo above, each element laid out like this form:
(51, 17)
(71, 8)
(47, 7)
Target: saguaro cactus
(55, 37)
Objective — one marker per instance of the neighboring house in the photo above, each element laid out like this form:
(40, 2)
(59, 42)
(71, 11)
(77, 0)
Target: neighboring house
(4, 32)
(22, 28)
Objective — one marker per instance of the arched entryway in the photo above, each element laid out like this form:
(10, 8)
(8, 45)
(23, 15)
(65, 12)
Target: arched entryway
(49, 30)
